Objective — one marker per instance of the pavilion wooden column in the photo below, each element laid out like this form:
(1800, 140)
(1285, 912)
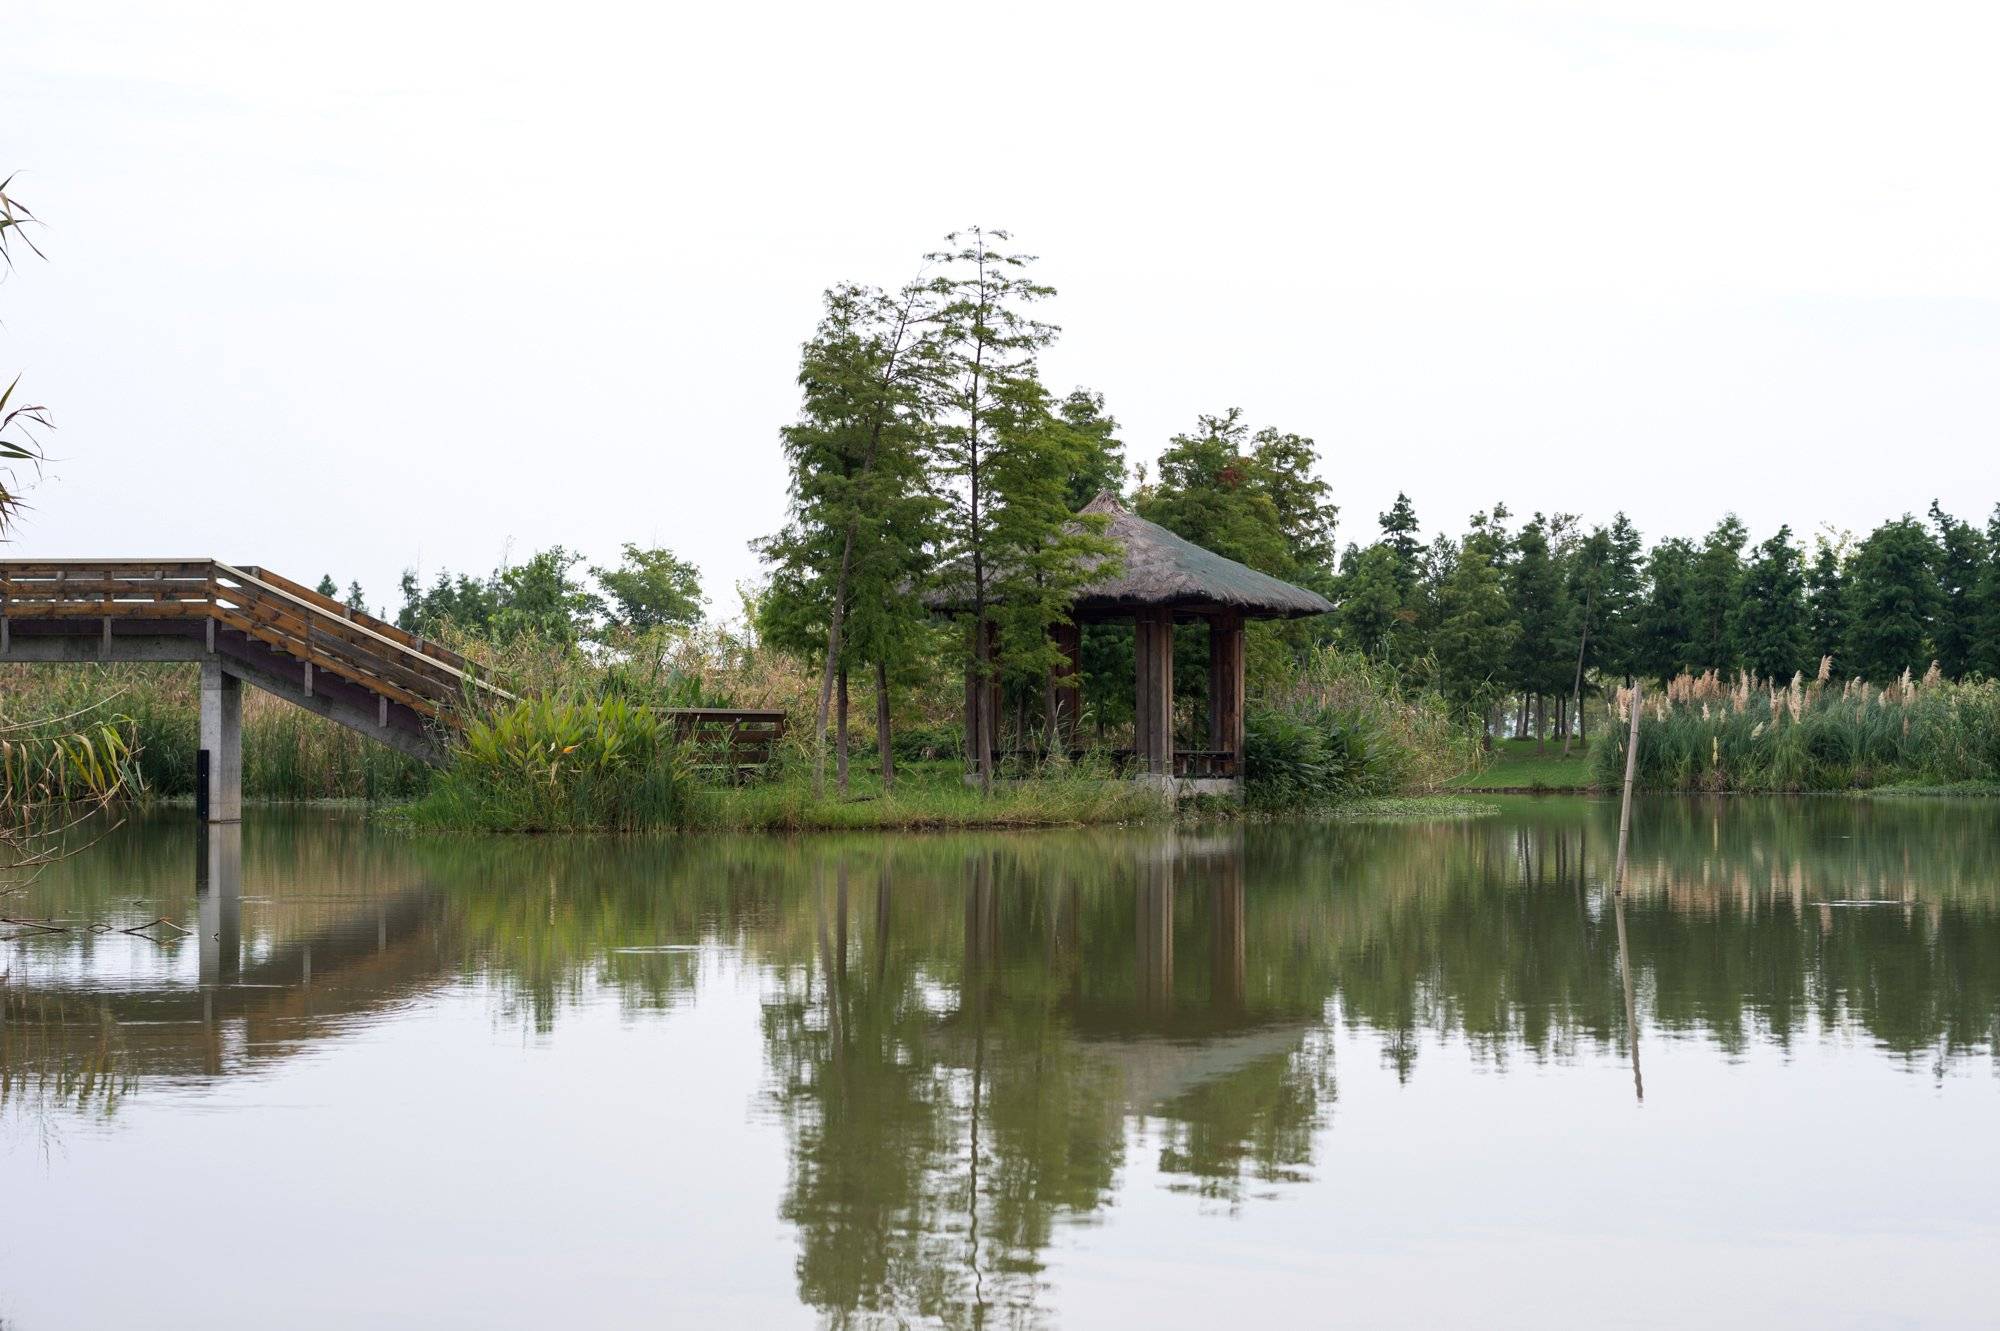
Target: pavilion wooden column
(1153, 726)
(1225, 687)
(1068, 683)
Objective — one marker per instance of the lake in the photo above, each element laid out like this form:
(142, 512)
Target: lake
(1389, 1075)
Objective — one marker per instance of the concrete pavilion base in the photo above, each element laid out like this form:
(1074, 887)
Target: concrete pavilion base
(1170, 788)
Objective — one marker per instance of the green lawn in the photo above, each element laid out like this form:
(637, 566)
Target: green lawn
(1515, 765)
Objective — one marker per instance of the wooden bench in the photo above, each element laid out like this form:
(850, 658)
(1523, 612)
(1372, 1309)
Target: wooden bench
(731, 742)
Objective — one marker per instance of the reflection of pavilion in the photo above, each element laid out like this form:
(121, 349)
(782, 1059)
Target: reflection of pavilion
(1163, 1036)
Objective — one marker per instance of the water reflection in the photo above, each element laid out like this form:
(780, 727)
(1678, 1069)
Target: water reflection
(970, 1042)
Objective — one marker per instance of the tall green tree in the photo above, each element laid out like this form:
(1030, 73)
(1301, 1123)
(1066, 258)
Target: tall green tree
(1773, 628)
(1098, 455)
(1371, 598)
(862, 510)
(989, 390)
(1476, 626)
(1893, 601)
(1714, 585)
(1962, 557)
(1399, 534)
(651, 589)
(1286, 469)
(1986, 605)
(1542, 645)
(1623, 594)
(1208, 490)
(1040, 551)
(1663, 643)
(1826, 598)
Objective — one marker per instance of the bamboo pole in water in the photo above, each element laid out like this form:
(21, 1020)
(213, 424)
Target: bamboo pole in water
(1625, 809)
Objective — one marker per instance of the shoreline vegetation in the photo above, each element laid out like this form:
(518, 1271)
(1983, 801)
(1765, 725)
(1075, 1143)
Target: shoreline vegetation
(945, 527)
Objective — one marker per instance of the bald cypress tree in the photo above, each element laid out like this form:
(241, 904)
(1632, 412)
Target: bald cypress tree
(990, 404)
(860, 508)
(1772, 630)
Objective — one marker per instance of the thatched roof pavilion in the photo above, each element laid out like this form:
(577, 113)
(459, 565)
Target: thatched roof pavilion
(1158, 570)
(1157, 580)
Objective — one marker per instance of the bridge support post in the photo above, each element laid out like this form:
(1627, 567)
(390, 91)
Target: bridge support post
(222, 737)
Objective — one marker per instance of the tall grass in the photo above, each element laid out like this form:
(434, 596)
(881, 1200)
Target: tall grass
(1344, 729)
(1707, 734)
(561, 764)
(288, 753)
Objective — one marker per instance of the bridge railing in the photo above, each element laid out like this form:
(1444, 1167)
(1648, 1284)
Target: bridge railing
(317, 632)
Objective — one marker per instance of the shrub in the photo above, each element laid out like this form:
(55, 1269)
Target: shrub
(1344, 729)
(559, 764)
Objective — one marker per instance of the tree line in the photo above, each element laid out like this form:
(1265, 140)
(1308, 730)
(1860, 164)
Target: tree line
(932, 468)
(1545, 611)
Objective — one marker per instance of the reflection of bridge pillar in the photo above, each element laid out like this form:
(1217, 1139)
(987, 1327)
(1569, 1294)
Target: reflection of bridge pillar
(1226, 984)
(218, 885)
(222, 740)
(1156, 933)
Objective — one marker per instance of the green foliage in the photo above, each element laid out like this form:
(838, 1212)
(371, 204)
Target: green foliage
(1961, 559)
(1096, 454)
(1772, 626)
(1343, 729)
(1211, 491)
(1714, 584)
(562, 764)
(1372, 597)
(651, 589)
(1826, 598)
(1541, 658)
(1892, 601)
(1476, 627)
(1663, 638)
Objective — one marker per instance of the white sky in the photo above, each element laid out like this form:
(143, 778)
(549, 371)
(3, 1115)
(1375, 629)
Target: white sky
(348, 288)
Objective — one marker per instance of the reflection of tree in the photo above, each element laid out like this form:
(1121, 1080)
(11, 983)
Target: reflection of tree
(967, 1035)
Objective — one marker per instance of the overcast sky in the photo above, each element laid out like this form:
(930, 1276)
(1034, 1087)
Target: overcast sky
(352, 288)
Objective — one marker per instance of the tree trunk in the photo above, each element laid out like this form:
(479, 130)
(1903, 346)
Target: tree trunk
(882, 736)
(1051, 716)
(1541, 725)
(836, 622)
(840, 734)
(982, 704)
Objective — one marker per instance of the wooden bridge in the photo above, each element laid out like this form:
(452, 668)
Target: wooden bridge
(247, 625)
(242, 625)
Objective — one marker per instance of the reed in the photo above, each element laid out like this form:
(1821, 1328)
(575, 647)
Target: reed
(1345, 729)
(1711, 734)
(288, 753)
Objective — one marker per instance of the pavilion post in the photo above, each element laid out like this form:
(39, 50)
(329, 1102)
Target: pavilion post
(1153, 736)
(1225, 688)
(1066, 686)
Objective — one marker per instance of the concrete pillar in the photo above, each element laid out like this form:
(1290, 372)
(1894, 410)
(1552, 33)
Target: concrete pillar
(222, 738)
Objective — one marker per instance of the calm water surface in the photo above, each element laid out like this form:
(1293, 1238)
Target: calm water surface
(1265, 1076)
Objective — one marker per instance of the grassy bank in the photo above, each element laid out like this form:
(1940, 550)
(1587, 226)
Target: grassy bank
(1517, 764)
(1820, 735)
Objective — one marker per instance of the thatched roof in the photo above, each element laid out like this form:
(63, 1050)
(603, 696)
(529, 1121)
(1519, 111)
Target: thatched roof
(1159, 570)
